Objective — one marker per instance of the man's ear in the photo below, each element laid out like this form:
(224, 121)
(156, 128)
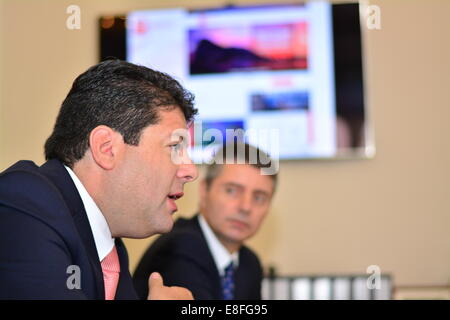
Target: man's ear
(105, 145)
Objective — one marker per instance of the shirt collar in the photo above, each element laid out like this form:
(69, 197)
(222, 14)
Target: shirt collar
(104, 241)
(221, 256)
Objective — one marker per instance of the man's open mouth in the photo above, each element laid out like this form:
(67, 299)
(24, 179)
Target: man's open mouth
(175, 196)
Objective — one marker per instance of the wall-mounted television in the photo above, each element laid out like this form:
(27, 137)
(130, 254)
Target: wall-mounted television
(291, 69)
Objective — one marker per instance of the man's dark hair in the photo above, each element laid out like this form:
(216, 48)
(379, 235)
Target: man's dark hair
(117, 94)
(238, 152)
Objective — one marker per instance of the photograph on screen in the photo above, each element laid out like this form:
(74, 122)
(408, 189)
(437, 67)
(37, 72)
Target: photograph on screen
(245, 47)
(279, 101)
(214, 133)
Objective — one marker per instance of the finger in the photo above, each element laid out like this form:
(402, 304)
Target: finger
(182, 293)
(155, 280)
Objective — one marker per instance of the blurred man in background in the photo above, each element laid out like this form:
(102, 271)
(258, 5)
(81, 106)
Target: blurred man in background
(206, 253)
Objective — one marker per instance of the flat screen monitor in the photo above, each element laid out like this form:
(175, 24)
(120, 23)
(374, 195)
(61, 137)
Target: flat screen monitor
(287, 78)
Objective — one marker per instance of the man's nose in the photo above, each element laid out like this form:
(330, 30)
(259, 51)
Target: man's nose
(245, 205)
(187, 171)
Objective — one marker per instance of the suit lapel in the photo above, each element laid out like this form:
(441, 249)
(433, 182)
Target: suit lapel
(240, 279)
(56, 172)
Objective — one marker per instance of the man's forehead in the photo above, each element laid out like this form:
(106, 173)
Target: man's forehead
(170, 122)
(232, 168)
(172, 115)
(244, 175)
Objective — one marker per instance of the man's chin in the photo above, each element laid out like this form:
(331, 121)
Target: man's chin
(166, 229)
(237, 237)
(151, 231)
(165, 226)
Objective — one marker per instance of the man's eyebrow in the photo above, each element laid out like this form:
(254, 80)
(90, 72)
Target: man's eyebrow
(234, 184)
(265, 192)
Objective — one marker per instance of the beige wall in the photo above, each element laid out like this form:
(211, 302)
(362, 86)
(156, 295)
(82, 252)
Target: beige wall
(328, 216)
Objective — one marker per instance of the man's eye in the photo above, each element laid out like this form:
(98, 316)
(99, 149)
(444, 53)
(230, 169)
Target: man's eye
(260, 198)
(230, 190)
(176, 146)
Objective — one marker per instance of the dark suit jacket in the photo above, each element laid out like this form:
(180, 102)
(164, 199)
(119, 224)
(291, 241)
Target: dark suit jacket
(44, 229)
(183, 258)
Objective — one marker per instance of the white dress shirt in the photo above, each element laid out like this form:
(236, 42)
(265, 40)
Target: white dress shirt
(220, 254)
(104, 242)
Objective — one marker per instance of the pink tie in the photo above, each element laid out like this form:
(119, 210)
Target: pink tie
(111, 272)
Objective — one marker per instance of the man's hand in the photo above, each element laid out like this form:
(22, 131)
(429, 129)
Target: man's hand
(158, 291)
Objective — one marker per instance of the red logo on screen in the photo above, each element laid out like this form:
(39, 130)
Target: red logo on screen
(141, 27)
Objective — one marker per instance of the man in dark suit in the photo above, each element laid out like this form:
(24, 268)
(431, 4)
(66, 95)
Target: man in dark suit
(110, 173)
(206, 253)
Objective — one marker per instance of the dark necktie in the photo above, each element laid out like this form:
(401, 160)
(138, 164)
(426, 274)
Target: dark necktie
(228, 282)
